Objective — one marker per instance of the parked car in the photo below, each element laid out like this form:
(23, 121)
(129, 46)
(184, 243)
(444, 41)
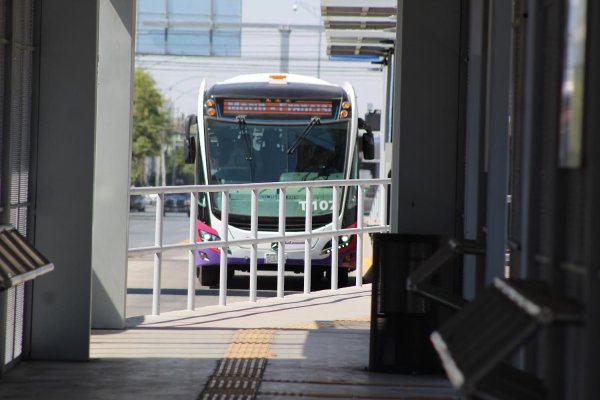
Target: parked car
(177, 202)
(137, 202)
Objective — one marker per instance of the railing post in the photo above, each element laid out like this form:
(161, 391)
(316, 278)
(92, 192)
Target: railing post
(308, 242)
(383, 204)
(224, 237)
(191, 300)
(281, 247)
(334, 238)
(254, 232)
(360, 212)
(158, 239)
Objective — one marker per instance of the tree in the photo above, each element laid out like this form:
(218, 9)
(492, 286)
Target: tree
(150, 118)
(183, 173)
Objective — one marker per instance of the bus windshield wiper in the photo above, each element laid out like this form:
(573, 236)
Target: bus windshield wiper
(313, 121)
(243, 132)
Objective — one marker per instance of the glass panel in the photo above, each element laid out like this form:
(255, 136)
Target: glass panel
(228, 7)
(189, 10)
(151, 41)
(150, 27)
(226, 43)
(573, 85)
(151, 6)
(183, 27)
(227, 40)
(188, 41)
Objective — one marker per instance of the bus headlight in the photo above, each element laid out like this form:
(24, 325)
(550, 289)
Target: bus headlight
(207, 236)
(343, 242)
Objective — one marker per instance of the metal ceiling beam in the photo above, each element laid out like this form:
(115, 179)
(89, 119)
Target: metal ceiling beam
(366, 11)
(359, 24)
(370, 36)
(357, 51)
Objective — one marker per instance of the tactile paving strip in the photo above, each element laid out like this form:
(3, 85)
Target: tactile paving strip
(239, 373)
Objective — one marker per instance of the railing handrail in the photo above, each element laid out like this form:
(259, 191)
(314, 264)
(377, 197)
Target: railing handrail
(333, 231)
(257, 186)
(243, 242)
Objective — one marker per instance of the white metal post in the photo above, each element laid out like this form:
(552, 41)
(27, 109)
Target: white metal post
(383, 204)
(158, 239)
(307, 241)
(191, 300)
(254, 232)
(281, 247)
(224, 237)
(359, 238)
(334, 239)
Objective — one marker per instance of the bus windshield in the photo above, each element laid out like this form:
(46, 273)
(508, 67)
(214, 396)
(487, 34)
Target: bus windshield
(253, 152)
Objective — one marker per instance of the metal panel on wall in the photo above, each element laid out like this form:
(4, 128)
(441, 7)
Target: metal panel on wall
(13, 325)
(16, 76)
(20, 117)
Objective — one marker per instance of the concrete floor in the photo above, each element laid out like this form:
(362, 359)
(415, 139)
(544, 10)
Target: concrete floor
(318, 348)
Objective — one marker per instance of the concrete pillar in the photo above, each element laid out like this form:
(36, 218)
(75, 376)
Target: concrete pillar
(114, 93)
(83, 128)
(427, 127)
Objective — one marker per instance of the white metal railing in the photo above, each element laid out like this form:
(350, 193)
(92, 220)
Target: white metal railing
(159, 248)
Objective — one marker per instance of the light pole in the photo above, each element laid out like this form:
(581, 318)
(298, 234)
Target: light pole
(284, 52)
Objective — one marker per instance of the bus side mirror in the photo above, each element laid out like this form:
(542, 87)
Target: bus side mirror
(189, 142)
(368, 141)
(368, 146)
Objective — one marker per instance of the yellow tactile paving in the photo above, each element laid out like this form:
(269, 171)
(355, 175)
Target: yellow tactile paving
(250, 343)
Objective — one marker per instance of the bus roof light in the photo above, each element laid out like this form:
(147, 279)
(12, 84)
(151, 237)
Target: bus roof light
(210, 103)
(344, 113)
(345, 105)
(278, 79)
(211, 112)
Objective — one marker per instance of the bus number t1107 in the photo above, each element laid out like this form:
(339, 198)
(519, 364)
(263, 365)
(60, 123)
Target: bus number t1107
(318, 205)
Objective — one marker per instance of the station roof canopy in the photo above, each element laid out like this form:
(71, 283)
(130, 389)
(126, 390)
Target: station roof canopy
(359, 28)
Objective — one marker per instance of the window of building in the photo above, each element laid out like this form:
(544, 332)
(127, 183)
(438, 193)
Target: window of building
(189, 27)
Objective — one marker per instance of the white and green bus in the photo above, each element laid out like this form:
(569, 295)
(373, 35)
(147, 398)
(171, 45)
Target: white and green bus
(276, 128)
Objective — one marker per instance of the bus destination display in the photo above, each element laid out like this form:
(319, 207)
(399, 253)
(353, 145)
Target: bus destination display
(311, 108)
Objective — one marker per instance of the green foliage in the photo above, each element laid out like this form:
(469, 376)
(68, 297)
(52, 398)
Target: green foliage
(150, 119)
(184, 173)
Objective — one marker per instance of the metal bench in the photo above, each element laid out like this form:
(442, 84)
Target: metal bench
(19, 261)
(418, 280)
(474, 344)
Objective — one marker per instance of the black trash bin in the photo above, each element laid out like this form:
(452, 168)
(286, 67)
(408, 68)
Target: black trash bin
(401, 321)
